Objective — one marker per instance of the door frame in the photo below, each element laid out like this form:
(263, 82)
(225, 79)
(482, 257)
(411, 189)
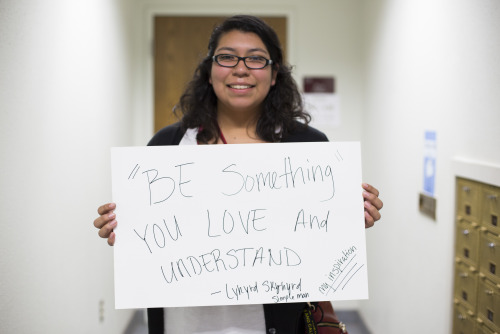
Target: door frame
(143, 99)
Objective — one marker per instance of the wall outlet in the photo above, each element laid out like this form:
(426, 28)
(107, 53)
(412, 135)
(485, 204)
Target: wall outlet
(101, 310)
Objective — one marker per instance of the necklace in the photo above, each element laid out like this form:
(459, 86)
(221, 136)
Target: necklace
(221, 135)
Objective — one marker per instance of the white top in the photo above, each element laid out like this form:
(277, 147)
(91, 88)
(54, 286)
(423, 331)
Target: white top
(234, 319)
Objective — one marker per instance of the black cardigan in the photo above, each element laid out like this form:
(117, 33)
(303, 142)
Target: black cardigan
(283, 318)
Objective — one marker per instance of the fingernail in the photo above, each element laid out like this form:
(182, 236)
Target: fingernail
(112, 216)
(113, 223)
(367, 205)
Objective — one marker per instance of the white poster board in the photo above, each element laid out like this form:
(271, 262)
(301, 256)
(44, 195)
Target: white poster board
(238, 224)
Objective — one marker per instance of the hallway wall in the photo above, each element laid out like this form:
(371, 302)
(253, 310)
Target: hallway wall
(65, 99)
(75, 80)
(430, 65)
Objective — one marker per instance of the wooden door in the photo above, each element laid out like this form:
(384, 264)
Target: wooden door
(180, 44)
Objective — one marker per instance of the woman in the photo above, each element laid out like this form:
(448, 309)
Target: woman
(242, 92)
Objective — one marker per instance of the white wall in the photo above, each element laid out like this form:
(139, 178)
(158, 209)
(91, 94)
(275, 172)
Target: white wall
(72, 85)
(430, 65)
(65, 98)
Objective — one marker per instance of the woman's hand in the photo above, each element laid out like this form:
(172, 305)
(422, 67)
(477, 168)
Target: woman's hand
(373, 205)
(106, 222)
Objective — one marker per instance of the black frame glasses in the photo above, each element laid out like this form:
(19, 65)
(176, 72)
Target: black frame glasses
(252, 66)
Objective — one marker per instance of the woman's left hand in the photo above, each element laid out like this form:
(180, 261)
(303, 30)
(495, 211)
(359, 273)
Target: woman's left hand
(373, 205)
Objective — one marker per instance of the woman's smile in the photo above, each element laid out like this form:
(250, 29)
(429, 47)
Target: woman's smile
(240, 87)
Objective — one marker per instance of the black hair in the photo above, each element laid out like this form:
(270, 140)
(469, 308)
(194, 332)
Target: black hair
(282, 107)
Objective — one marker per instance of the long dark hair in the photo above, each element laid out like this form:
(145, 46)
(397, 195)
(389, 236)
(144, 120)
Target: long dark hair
(281, 108)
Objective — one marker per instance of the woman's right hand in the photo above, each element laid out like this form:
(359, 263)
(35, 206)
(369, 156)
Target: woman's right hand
(106, 222)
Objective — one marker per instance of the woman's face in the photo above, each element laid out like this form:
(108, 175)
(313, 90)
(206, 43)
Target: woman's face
(240, 89)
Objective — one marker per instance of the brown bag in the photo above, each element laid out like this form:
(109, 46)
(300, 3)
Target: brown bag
(320, 318)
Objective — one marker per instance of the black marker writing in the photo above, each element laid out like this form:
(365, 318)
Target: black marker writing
(228, 222)
(217, 261)
(181, 182)
(159, 236)
(291, 176)
(240, 290)
(343, 269)
(312, 222)
(161, 188)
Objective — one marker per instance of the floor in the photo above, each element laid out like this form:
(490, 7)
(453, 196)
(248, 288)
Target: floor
(353, 322)
(138, 324)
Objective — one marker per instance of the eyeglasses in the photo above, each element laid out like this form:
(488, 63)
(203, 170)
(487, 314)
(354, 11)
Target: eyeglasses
(251, 62)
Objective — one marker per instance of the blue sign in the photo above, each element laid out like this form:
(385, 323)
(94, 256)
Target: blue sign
(430, 162)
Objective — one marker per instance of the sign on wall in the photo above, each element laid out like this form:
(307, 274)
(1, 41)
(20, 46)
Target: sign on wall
(238, 224)
(322, 101)
(430, 155)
